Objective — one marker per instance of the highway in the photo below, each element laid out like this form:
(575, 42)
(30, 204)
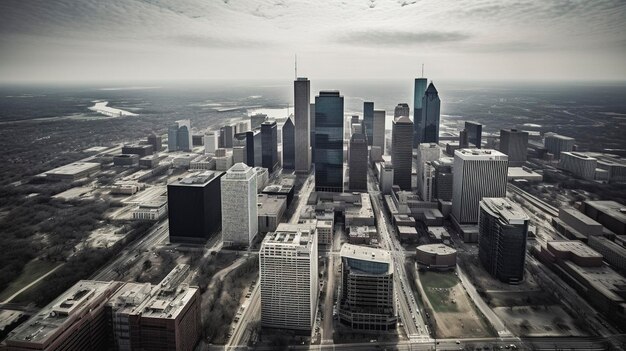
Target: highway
(408, 309)
(157, 234)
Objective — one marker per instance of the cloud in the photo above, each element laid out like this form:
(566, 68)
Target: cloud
(211, 42)
(399, 38)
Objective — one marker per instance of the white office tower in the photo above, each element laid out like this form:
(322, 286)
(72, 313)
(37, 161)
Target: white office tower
(426, 152)
(289, 278)
(210, 142)
(302, 123)
(478, 173)
(426, 179)
(239, 206)
(378, 134)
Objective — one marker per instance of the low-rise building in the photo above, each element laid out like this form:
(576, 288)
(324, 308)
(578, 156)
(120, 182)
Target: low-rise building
(361, 235)
(126, 160)
(613, 253)
(153, 210)
(407, 234)
(575, 225)
(438, 235)
(436, 256)
(138, 149)
(325, 231)
(73, 171)
(610, 214)
(270, 211)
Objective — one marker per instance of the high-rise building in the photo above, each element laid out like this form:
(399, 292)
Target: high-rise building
(429, 123)
(179, 136)
(357, 175)
(73, 321)
(155, 141)
(194, 207)
(579, 164)
(329, 141)
(427, 180)
(402, 151)
(463, 140)
(227, 133)
(289, 278)
(289, 145)
(312, 120)
(442, 185)
(256, 120)
(401, 110)
(555, 144)
(302, 123)
(474, 133)
(514, 143)
(378, 134)
(366, 297)
(426, 152)
(210, 142)
(269, 148)
(478, 173)
(368, 121)
(239, 206)
(503, 229)
(418, 95)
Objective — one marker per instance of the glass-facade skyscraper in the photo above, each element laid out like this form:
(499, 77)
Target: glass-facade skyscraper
(289, 148)
(368, 121)
(429, 123)
(418, 95)
(269, 145)
(329, 141)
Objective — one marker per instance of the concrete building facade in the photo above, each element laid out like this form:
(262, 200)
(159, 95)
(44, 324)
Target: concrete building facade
(239, 206)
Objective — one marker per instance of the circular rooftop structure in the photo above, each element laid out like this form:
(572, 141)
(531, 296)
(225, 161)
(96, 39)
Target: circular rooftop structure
(436, 256)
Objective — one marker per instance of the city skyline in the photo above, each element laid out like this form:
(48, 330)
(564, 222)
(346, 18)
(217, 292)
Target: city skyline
(532, 40)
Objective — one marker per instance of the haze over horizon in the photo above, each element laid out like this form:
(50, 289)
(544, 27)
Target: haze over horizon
(126, 40)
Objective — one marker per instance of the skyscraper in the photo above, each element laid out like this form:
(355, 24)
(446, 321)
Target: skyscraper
(555, 144)
(478, 173)
(402, 151)
(289, 143)
(289, 278)
(329, 141)
(194, 207)
(368, 121)
(312, 120)
(463, 141)
(357, 175)
(401, 110)
(239, 207)
(256, 120)
(155, 141)
(179, 136)
(418, 95)
(442, 184)
(427, 180)
(378, 134)
(302, 123)
(503, 228)
(514, 143)
(474, 133)
(227, 133)
(269, 145)
(429, 124)
(366, 298)
(210, 142)
(426, 152)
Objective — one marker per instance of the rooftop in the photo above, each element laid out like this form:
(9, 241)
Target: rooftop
(504, 209)
(270, 204)
(579, 216)
(74, 168)
(610, 208)
(480, 154)
(198, 179)
(558, 136)
(437, 249)
(575, 247)
(57, 316)
(365, 253)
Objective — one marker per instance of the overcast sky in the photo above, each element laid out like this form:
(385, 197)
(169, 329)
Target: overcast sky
(201, 39)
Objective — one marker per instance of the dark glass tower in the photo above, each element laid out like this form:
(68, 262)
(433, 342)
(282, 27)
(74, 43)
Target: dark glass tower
(269, 145)
(357, 175)
(289, 145)
(514, 143)
(418, 95)
(429, 124)
(474, 133)
(195, 208)
(402, 152)
(503, 229)
(329, 141)
(368, 121)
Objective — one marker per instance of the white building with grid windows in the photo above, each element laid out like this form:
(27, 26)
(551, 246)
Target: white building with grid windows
(289, 278)
(239, 206)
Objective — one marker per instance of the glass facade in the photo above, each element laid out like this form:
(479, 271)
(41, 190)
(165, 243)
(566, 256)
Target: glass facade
(329, 141)
(430, 116)
(368, 121)
(269, 148)
(419, 90)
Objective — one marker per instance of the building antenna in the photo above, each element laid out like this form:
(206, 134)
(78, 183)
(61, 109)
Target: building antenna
(422, 70)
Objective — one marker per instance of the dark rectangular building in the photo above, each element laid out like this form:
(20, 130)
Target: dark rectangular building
(357, 175)
(514, 143)
(194, 207)
(329, 141)
(269, 145)
(474, 133)
(368, 121)
(402, 152)
(289, 145)
(138, 149)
